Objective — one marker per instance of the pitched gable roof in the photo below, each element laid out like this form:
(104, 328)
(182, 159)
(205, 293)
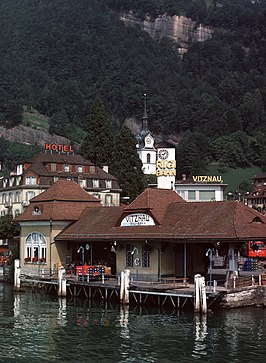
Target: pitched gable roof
(63, 201)
(228, 221)
(65, 190)
(155, 200)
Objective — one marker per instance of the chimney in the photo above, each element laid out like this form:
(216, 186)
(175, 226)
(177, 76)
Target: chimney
(19, 169)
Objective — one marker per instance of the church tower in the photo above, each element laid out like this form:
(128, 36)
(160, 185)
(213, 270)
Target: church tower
(145, 145)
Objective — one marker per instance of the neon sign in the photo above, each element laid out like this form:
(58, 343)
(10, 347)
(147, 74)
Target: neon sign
(59, 147)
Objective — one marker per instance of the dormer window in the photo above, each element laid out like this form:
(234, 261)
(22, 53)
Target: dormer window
(80, 169)
(53, 167)
(108, 184)
(95, 183)
(37, 210)
(31, 180)
(92, 169)
(257, 220)
(66, 168)
(82, 183)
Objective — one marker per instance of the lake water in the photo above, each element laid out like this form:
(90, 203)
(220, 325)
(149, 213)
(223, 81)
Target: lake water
(41, 328)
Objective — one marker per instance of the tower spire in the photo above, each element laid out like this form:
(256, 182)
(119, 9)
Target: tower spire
(145, 117)
(145, 107)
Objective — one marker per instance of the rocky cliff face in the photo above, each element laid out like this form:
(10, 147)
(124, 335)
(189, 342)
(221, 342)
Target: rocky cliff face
(180, 29)
(29, 136)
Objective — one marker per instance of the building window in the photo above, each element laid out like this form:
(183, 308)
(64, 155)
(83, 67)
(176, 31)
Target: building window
(18, 180)
(191, 195)
(66, 168)
(30, 195)
(92, 169)
(96, 195)
(129, 256)
(17, 197)
(31, 180)
(181, 193)
(146, 252)
(108, 200)
(108, 184)
(80, 169)
(56, 178)
(206, 195)
(53, 167)
(4, 197)
(148, 158)
(35, 248)
(82, 183)
(95, 183)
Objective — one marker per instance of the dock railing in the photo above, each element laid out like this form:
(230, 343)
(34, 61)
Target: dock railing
(44, 273)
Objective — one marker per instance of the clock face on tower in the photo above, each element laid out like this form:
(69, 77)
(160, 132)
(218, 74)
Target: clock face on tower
(163, 154)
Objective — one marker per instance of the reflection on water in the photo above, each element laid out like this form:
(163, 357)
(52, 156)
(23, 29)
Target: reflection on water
(39, 328)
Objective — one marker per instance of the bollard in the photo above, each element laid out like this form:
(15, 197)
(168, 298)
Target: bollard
(122, 286)
(126, 287)
(62, 281)
(197, 293)
(17, 275)
(203, 295)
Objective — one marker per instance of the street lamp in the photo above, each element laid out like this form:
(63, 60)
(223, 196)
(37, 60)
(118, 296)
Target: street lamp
(82, 251)
(209, 253)
(136, 262)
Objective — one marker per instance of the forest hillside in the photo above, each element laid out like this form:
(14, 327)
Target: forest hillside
(56, 57)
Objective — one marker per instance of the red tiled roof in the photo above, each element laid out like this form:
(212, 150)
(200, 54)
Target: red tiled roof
(64, 200)
(190, 222)
(155, 200)
(65, 190)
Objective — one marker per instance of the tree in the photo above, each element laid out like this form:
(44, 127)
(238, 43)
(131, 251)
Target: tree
(97, 145)
(126, 165)
(8, 230)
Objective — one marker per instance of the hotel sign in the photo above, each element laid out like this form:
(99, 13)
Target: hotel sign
(207, 179)
(137, 219)
(59, 147)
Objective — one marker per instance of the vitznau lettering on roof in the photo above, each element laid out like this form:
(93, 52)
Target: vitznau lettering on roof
(137, 219)
(207, 179)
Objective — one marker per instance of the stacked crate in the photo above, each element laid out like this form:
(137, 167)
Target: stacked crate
(250, 264)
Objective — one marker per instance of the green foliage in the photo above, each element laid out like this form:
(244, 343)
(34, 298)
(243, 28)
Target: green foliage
(58, 56)
(98, 143)
(238, 179)
(126, 165)
(12, 154)
(193, 154)
(8, 229)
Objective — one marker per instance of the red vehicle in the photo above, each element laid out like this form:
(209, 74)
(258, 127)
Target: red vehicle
(254, 249)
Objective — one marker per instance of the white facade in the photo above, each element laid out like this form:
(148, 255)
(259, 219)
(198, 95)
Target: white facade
(166, 167)
(147, 155)
(199, 192)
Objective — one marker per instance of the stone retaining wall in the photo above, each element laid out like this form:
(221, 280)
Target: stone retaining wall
(248, 296)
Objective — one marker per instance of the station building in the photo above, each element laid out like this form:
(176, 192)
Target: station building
(158, 234)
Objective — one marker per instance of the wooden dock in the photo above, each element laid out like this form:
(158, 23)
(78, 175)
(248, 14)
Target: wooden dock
(175, 293)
